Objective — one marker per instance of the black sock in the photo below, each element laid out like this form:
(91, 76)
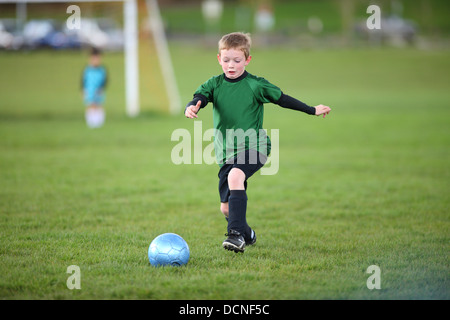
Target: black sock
(237, 207)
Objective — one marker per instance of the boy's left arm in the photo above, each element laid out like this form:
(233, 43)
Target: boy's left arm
(321, 109)
(289, 102)
(105, 78)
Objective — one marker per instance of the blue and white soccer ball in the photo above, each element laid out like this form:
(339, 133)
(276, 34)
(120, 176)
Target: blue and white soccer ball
(168, 249)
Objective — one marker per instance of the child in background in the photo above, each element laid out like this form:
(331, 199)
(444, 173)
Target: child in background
(93, 84)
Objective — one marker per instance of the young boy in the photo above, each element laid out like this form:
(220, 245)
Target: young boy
(93, 83)
(238, 99)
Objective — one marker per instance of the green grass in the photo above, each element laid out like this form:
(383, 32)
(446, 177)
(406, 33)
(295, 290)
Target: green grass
(367, 185)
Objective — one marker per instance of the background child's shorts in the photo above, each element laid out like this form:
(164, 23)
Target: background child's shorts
(93, 97)
(249, 161)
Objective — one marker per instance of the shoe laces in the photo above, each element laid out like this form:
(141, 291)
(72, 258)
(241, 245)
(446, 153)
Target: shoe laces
(233, 233)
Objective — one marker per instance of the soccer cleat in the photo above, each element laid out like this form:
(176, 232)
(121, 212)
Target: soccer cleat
(235, 242)
(252, 239)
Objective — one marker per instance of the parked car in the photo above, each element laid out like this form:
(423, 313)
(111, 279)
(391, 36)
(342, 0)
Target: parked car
(60, 39)
(36, 33)
(10, 35)
(114, 32)
(102, 33)
(394, 30)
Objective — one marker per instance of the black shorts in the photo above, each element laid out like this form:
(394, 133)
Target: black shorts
(249, 161)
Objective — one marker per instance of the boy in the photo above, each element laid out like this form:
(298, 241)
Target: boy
(238, 99)
(93, 83)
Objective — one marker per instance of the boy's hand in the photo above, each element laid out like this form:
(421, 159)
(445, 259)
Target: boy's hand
(321, 109)
(191, 111)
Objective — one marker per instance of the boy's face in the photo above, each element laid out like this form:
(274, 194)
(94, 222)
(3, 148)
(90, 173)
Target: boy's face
(95, 60)
(233, 62)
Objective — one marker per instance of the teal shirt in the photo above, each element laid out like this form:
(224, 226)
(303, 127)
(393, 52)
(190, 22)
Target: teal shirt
(93, 82)
(238, 113)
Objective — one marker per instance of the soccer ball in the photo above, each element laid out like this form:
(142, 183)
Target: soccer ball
(168, 249)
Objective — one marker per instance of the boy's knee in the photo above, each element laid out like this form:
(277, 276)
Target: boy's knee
(224, 208)
(236, 179)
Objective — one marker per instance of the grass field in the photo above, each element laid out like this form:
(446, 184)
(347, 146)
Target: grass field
(368, 185)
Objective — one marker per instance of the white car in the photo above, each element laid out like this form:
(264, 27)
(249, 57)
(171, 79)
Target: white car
(101, 33)
(10, 37)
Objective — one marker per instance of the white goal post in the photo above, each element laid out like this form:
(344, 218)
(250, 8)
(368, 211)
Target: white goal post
(165, 61)
(131, 53)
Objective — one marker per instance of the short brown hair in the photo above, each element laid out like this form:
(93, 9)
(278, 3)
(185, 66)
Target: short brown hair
(95, 51)
(236, 40)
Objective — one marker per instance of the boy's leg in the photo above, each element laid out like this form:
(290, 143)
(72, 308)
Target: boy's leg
(224, 209)
(237, 203)
(100, 116)
(224, 191)
(233, 184)
(95, 116)
(234, 209)
(90, 117)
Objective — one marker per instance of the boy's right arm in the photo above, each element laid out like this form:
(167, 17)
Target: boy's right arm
(194, 106)
(192, 110)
